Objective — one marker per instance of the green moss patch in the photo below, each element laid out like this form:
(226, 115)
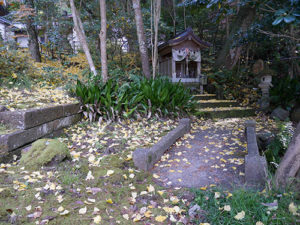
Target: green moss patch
(45, 152)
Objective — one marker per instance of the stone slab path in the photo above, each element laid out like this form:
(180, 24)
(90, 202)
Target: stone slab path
(211, 154)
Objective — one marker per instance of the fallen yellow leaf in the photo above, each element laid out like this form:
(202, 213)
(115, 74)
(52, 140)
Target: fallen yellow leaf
(240, 215)
(97, 219)
(109, 201)
(160, 218)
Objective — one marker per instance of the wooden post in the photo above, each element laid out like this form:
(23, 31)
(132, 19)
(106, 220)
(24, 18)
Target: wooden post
(199, 76)
(173, 70)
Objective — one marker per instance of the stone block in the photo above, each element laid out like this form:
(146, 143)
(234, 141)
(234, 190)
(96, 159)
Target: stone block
(255, 170)
(280, 113)
(12, 118)
(35, 117)
(71, 109)
(145, 159)
(19, 138)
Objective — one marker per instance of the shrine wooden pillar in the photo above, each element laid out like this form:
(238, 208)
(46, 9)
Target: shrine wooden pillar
(173, 70)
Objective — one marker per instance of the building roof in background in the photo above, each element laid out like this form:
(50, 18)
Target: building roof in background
(182, 37)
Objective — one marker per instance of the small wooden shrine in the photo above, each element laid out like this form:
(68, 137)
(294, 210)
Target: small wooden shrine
(180, 58)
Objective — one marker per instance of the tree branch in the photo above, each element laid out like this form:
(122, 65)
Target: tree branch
(277, 35)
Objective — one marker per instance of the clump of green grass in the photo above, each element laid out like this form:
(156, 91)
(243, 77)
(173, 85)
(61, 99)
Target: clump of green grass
(3, 129)
(256, 206)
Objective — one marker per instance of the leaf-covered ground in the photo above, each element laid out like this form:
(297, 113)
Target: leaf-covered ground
(40, 95)
(101, 185)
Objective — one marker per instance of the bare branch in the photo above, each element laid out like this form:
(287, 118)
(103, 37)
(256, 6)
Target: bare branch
(277, 35)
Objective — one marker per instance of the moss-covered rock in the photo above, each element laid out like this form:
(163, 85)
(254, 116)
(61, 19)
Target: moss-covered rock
(45, 152)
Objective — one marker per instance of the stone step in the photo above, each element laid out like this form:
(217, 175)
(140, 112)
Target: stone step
(205, 96)
(217, 103)
(226, 112)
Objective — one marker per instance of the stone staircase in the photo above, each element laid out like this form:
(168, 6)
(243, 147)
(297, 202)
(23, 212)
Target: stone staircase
(211, 107)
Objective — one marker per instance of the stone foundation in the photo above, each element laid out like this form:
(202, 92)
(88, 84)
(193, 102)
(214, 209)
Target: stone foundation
(34, 124)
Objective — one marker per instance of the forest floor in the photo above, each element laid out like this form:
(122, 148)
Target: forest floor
(100, 185)
(40, 95)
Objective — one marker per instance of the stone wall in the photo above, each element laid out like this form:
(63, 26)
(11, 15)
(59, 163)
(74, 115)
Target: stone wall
(33, 124)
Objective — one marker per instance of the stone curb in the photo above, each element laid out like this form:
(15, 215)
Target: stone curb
(144, 159)
(34, 117)
(255, 165)
(17, 139)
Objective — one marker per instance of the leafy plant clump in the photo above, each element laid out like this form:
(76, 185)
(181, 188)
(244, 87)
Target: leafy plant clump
(276, 149)
(285, 93)
(139, 96)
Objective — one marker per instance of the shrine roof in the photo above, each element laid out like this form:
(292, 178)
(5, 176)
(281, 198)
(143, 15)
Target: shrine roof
(183, 36)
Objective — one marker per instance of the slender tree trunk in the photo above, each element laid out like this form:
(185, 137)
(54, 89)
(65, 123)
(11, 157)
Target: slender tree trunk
(81, 36)
(103, 40)
(289, 167)
(184, 20)
(174, 17)
(141, 38)
(157, 10)
(33, 42)
(227, 27)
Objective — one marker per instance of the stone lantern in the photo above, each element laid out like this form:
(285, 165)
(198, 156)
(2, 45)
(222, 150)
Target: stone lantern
(265, 85)
(262, 70)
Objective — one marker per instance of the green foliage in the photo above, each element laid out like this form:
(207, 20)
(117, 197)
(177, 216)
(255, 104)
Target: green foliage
(285, 92)
(276, 149)
(212, 209)
(237, 85)
(15, 67)
(113, 101)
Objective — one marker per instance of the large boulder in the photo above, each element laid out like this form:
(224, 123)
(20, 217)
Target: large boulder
(280, 113)
(45, 152)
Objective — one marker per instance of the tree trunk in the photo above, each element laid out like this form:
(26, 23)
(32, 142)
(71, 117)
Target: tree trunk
(289, 167)
(81, 36)
(174, 17)
(103, 40)
(157, 9)
(141, 38)
(33, 42)
(229, 56)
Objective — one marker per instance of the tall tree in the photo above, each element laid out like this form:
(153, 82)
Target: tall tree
(289, 167)
(229, 55)
(82, 37)
(156, 18)
(33, 42)
(141, 37)
(102, 36)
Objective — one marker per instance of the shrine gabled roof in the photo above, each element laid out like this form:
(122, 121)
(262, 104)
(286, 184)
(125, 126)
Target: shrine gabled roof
(179, 38)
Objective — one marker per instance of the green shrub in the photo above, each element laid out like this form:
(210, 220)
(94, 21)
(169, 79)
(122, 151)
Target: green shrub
(241, 85)
(15, 67)
(276, 149)
(113, 101)
(285, 92)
